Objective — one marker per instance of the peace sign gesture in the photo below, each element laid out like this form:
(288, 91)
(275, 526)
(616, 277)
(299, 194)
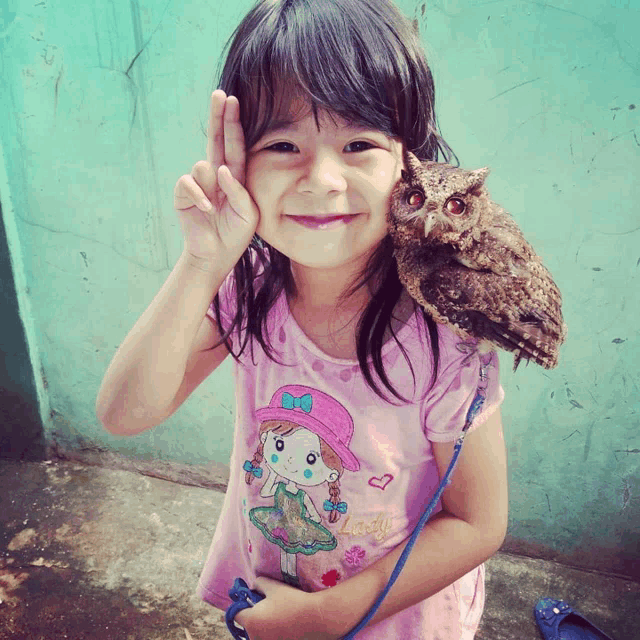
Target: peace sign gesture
(217, 215)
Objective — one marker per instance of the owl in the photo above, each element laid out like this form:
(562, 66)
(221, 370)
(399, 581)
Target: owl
(464, 259)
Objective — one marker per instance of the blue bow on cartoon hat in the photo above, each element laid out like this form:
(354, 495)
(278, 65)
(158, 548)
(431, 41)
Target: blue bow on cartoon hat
(304, 402)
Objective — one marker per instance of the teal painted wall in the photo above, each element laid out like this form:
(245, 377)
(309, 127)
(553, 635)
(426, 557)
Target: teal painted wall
(104, 106)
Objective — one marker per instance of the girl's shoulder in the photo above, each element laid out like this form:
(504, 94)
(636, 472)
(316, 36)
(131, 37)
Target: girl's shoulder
(458, 352)
(255, 272)
(464, 374)
(450, 346)
(238, 279)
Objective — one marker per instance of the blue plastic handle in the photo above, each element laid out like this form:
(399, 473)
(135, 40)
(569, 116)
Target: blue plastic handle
(243, 598)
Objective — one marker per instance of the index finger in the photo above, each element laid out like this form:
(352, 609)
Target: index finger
(215, 136)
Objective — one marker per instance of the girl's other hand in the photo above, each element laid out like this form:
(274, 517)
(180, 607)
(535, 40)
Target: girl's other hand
(217, 215)
(284, 614)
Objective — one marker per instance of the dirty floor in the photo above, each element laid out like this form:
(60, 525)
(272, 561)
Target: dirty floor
(95, 553)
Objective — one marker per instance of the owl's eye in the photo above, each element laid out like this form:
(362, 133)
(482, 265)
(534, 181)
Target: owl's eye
(415, 198)
(455, 206)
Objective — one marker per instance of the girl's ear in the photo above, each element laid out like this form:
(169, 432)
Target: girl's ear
(263, 437)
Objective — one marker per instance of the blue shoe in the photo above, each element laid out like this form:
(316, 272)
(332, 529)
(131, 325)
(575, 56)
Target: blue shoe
(558, 621)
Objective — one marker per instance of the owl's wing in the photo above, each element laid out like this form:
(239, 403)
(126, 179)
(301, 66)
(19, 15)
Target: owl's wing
(501, 249)
(519, 314)
(505, 232)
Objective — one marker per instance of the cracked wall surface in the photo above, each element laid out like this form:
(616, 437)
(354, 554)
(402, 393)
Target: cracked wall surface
(105, 106)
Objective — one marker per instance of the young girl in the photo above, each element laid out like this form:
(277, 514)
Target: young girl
(349, 398)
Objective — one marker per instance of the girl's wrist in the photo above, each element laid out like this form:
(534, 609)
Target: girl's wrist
(207, 265)
(327, 617)
(339, 612)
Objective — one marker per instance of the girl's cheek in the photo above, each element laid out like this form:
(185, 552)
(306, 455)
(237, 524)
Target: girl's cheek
(308, 473)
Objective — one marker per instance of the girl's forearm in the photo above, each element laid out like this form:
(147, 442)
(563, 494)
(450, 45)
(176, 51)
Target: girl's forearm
(446, 549)
(148, 367)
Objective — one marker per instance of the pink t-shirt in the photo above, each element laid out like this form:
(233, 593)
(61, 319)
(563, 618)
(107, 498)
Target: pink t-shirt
(312, 440)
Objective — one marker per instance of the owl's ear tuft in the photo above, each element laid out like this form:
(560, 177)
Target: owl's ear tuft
(405, 175)
(480, 175)
(411, 160)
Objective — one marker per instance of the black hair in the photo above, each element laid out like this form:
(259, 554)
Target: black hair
(362, 60)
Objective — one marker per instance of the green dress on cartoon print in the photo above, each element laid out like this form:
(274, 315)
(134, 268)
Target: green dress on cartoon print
(285, 524)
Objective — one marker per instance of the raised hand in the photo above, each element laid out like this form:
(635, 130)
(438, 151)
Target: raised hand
(217, 215)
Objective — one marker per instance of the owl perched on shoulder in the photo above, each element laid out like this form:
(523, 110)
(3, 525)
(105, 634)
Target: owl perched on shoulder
(465, 261)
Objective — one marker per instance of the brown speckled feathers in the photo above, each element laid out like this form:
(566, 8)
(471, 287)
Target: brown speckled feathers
(465, 261)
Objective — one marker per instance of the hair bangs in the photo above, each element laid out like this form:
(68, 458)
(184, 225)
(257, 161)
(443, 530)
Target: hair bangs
(336, 56)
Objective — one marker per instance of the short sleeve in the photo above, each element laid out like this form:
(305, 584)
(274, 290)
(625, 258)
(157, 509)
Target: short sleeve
(464, 374)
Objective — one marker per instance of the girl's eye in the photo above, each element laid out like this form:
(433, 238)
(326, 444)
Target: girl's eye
(286, 147)
(279, 445)
(367, 145)
(278, 146)
(311, 458)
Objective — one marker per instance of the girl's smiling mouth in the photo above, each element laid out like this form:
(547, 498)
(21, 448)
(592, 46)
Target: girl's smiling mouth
(323, 222)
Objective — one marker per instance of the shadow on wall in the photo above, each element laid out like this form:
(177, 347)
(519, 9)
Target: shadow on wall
(21, 433)
(21, 430)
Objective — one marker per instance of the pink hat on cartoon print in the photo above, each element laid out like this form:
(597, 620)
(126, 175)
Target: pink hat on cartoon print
(318, 412)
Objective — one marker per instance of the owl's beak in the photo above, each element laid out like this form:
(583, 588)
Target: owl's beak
(429, 223)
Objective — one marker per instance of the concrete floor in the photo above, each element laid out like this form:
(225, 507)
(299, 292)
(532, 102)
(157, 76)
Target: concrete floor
(94, 553)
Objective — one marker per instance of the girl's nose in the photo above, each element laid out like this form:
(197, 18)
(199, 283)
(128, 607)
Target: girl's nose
(321, 174)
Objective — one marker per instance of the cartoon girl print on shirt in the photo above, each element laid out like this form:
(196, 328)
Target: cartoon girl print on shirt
(304, 442)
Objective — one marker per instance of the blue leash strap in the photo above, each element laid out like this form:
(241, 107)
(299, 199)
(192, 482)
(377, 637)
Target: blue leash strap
(473, 410)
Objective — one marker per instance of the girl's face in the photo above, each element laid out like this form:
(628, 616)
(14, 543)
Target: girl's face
(323, 195)
(296, 456)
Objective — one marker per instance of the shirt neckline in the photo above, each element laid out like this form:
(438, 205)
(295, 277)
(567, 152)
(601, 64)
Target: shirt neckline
(311, 346)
